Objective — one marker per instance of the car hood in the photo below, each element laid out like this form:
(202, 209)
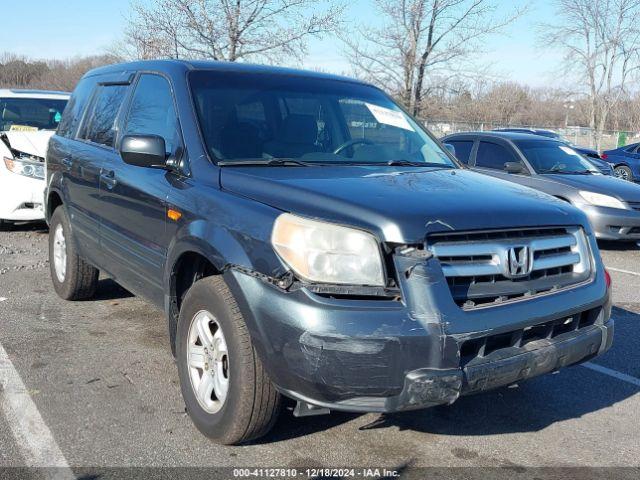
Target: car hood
(400, 204)
(32, 143)
(623, 190)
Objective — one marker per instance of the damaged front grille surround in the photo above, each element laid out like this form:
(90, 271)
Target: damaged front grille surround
(490, 268)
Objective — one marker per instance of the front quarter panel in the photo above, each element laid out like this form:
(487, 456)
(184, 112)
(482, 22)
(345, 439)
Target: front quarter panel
(232, 232)
(54, 176)
(227, 229)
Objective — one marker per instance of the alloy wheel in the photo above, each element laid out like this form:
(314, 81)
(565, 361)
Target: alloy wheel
(621, 173)
(208, 361)
(60, 253)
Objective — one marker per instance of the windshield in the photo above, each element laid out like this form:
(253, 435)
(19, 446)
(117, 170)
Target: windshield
(30, 113)
(554, 157)
(253, 118)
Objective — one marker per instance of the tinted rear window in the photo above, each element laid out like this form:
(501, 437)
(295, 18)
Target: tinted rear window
(492, 155)
(463, 149)
(101, 124)
(75, 107)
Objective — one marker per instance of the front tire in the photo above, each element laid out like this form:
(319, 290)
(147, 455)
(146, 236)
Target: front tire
(227, 392)
(623, 172)
(72, 277)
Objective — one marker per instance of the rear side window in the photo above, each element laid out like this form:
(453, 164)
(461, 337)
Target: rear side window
(463, 149)
(152, 111)
(75, 107)
(100, 127)
(492, 155)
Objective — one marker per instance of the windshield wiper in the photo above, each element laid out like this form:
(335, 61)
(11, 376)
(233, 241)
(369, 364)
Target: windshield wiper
(409, 163)
(569, 172)
(269, 162)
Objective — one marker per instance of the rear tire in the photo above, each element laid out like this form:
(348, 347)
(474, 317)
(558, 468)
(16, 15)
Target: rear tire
(623, 173)
(72, 277)
(241, 403)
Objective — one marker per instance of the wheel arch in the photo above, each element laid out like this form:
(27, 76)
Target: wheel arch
(634, 174)
(199, 250)
(186, 268)
(621, 164)
(53, 201)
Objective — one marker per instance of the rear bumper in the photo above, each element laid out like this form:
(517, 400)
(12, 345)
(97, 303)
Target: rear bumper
(21, 198)
(614, 223)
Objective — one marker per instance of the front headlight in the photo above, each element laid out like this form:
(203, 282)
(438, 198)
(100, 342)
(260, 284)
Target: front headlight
(327, 253)
(25, 167)
(601, 200)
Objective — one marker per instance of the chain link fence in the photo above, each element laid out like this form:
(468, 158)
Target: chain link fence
(581, 136)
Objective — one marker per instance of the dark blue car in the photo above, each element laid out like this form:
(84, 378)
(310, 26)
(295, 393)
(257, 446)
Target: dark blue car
(625, 161)
(308, 239)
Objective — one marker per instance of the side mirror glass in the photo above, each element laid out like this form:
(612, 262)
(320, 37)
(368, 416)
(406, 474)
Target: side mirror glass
(514, 167)
(451, 148)
(144, 151)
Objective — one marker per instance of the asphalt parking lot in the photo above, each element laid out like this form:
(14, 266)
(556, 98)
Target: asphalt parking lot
(98, 388)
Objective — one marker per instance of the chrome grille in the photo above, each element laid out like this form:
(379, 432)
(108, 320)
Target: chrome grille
(478, 266)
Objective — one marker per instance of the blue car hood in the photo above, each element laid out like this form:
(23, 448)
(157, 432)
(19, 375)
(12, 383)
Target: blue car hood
(400, 204)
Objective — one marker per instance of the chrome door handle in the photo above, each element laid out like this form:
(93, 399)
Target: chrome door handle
(108, 178)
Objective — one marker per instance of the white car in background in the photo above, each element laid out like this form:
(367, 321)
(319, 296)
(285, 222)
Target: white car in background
(28, 118)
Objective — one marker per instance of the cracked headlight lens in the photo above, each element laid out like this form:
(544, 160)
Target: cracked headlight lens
(600, 200)
(323, 252)
(25, 167)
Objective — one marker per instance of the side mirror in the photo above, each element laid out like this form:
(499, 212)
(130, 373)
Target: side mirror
(451, 148)
(514, 167)
(144, 151)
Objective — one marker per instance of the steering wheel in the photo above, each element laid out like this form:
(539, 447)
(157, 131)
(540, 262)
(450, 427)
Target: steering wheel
(351, 143)
(557, 167)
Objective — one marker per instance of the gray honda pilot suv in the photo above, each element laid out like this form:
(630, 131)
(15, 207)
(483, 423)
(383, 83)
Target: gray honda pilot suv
(307, 238)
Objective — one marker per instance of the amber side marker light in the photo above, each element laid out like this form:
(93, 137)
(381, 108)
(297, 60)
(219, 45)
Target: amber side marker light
(607, 278)
(174, 214)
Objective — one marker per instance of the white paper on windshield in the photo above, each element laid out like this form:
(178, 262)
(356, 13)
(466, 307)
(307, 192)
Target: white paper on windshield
(389, 117)
(569, 150)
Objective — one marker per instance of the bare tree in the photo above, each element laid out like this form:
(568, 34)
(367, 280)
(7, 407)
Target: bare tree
(65, 74)
(231, 30)
(19, 71)
(601, 41)
(420, 38)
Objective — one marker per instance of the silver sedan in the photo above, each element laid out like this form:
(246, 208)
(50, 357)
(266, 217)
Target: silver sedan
(552, 167)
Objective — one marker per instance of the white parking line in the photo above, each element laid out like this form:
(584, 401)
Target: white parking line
(620, 270)
(613, 373)
(32, 436)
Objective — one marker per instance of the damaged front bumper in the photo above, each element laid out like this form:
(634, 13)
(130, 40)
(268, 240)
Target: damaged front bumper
(385, 355)
(21, 198)
(426, 387)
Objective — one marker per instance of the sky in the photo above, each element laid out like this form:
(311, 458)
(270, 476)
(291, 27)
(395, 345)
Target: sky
(46, 29)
